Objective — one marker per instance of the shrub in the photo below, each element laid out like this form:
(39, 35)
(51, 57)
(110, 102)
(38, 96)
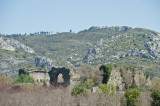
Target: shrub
(156, 83)
(89, 72)
(156, 98)
(131, 96)
(22, 71)
(128, 78)
(106, 72)
(89, 83)
(5, 81)
(24, 79)
(121, 71)
(133, 85)
(22, 86)
(147, 74)
(107, 89)
(77, 90)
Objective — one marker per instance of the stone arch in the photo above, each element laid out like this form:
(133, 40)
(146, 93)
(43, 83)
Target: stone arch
(54, 72)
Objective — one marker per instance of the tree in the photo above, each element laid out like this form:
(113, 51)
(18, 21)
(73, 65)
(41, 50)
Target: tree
(156, 83)
(24, 79)
(77, 90)
(156, 98)
(131, 96)
(89, 83)
(107, 68)
(89, 72)
(128, 78)
(107, 89)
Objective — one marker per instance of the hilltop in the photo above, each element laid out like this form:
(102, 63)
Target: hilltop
(121, 45)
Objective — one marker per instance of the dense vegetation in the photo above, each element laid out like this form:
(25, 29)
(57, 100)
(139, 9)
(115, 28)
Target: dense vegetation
(24, 79)
(103, 94)
(156, 97)
(131, 96)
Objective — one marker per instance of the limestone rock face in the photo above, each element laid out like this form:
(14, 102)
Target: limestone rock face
(106, 50)
(12, 45)
(154, 49)
(43, 62)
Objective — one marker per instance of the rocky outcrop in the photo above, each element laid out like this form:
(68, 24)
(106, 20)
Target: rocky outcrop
(120, 28)
(153, 49)
(43, 62)
(12, 45)
(148, 46)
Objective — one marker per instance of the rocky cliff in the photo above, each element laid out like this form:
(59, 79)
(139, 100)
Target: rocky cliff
(12, 45)
(14, 55)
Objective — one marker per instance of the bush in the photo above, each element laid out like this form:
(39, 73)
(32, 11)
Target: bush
(24, 79)
(5, 81)
(156, 98)
(22, 71)
(128, 78)
(106, 72)
(147, 74)
(77, 90)
(131, 96)
(89, 72)
(121, 71)
(156, 83)
(133, 85)
(107, 89)
(89, 83)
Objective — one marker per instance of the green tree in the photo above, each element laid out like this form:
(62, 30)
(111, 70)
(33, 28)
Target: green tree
(77, 90)
(107, 68)
(107, 89)
(156, 98)
(24, 79)
(131, 96)
(89, 82)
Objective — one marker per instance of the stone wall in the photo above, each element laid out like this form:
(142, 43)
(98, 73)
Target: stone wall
(137, 76)
(54, 72)
(40, 76)
(72, 77)
(116, 79)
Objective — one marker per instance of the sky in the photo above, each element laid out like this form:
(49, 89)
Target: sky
(25, 16)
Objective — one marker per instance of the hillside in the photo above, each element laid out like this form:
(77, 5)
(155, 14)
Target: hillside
(14, 55)
(121, 45)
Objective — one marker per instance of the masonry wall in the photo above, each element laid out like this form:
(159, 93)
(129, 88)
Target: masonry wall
(40, 76)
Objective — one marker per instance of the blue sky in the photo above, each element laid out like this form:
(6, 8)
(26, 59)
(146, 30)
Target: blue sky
(20, 16)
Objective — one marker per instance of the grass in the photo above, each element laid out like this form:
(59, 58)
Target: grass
(49, 96)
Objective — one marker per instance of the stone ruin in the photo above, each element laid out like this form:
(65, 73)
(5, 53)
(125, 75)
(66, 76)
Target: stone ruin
(55, 72)
(56, 76)
(65, 77)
